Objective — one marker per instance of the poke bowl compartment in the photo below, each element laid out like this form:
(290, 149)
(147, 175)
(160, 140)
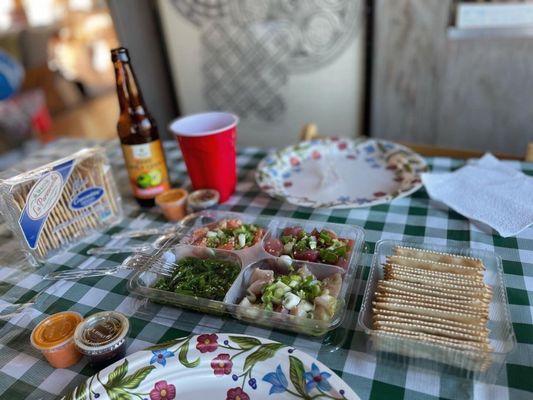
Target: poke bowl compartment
(202, 264)
(240, 233)
(432, 356)
(341, 247)
(285, 320)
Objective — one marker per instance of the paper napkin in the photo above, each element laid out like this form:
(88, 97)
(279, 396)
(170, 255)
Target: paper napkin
(486, 190)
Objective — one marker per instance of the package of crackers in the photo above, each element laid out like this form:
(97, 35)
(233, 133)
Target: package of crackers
(440, 304)
(53, 206)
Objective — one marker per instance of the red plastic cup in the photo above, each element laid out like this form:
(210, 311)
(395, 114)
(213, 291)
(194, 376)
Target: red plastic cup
(208, 144)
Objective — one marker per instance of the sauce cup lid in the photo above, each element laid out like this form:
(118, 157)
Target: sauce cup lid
(55, 330)
(203, 198)
(101, 332)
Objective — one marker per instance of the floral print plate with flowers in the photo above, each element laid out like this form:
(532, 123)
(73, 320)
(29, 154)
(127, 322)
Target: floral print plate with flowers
(215, 366)
(341, 173)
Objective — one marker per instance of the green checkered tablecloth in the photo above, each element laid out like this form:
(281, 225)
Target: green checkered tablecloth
(25, 298)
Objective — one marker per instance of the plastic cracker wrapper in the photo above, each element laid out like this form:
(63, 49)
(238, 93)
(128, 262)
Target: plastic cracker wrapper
(53, 206)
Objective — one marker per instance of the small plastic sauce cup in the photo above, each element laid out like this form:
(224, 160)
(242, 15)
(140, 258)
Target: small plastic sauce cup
(173, 203)
(203, 198)
(102, 338)
(54, 337)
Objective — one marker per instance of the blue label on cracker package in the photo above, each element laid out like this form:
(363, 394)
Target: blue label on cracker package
(41, 200)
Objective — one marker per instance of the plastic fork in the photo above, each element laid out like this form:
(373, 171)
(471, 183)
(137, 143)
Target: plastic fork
(137, 262)
(162, 230)
(143, 248)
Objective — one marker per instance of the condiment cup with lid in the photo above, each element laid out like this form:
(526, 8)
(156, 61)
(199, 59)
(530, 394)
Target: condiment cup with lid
(54, 337)
(203, 198)
(102, 337)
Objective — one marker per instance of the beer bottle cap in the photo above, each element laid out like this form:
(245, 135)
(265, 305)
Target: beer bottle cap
(120, 54)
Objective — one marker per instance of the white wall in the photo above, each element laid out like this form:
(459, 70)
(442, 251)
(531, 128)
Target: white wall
(327, 90)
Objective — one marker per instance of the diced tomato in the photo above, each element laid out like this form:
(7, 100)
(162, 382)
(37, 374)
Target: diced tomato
(234, 223)
(306, 255)
(199, 234)
(274, 246)
(227, 246)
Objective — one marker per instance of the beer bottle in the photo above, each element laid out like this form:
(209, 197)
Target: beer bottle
(142, 149)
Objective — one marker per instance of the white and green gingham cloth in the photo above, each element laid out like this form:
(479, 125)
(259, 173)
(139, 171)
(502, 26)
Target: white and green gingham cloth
(25, 298)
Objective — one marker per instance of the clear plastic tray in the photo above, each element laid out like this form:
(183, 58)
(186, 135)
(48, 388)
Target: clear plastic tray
(178, 247)
(436, 357)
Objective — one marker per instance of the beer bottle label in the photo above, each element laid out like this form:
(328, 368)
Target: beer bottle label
(146, 168)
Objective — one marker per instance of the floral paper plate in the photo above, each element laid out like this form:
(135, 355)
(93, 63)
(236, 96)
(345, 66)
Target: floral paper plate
(215, 366)
(341, 173)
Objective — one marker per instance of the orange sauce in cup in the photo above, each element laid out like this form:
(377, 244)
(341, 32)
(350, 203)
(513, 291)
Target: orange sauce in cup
(173, 203)
(54, 337)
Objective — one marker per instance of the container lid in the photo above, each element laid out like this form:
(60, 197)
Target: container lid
(55, 331)
(101, 332)
(34, 166)
(203, 198)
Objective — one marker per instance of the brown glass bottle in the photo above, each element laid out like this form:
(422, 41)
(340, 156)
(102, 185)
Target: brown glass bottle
(142, 149)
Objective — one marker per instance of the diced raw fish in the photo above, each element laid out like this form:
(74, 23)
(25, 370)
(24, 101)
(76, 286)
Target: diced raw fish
(274, 246)
(292, 231)
(333, 284)
(321, 314)
(302, 309)
(326, 303)
(251, 297)
(256, 287)
(304, 272)
(306, 255)
(266, 275)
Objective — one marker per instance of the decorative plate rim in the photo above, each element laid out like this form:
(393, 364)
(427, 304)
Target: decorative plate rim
(354, 143)
(219, 354)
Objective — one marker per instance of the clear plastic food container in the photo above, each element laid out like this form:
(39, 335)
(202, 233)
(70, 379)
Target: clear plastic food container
(52, 206)
(173, 250)
(436, 357)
